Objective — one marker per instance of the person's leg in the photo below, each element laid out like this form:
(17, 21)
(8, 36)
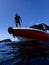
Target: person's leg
(16, 24)
(19, 24)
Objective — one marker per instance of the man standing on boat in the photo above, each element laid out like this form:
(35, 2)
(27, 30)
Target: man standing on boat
(18, 20)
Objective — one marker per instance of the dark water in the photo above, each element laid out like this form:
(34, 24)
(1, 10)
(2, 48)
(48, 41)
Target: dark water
(28, 53)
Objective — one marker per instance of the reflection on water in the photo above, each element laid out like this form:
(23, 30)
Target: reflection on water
(24, 53)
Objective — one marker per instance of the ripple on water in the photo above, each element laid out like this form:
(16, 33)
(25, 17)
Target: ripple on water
(10, 54)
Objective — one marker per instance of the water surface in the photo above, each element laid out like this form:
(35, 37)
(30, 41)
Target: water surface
(28, 53)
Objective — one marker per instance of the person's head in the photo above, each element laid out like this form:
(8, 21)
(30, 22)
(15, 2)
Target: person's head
(16, 14)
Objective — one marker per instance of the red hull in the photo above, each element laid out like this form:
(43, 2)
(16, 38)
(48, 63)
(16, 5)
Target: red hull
(31, 33)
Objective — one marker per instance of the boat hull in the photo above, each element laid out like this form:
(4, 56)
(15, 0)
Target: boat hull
(29, 34)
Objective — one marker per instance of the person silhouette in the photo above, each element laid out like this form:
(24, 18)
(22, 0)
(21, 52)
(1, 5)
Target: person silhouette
(18, 20)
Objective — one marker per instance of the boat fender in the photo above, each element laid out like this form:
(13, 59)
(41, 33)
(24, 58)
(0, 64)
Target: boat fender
(10, 30)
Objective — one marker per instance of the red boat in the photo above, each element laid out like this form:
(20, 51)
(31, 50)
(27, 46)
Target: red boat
(29, 34)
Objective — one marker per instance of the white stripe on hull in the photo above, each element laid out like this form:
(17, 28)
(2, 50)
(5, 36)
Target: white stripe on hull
(24, 39)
